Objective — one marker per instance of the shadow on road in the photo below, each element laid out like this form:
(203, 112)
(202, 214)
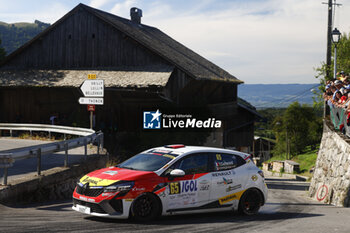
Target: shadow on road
(222, 217)
(299, 204)
(303, 187)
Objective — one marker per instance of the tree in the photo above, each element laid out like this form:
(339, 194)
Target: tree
(297, 128)
(2, 52)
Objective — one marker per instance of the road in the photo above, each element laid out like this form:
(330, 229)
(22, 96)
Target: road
(28, 166)
(288, 210)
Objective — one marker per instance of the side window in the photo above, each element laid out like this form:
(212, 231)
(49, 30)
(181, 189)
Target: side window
(193, 164)
(226, 162)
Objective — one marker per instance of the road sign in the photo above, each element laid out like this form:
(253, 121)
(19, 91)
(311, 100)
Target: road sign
(91, 76)
(91, 107)
(93, 88)
(96, 101)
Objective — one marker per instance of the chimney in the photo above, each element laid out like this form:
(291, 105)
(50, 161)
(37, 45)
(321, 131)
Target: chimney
(135, 14)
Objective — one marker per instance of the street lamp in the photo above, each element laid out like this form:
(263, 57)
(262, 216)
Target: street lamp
(335, 38)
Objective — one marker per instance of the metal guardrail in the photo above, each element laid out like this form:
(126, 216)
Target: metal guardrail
(339, 118)
(46, 128)
(87, 136)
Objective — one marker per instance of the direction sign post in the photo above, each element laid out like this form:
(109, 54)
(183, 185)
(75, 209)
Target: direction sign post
(93, 91)
(91, 109)
(86, 100)
(93, 88)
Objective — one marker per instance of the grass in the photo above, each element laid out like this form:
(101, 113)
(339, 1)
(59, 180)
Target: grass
(306, 160)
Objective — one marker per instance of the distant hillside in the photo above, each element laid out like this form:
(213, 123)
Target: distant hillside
(276, 95)
(16, 34)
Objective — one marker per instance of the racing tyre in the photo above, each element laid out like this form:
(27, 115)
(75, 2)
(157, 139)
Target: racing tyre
(145, 207)
(250, 202)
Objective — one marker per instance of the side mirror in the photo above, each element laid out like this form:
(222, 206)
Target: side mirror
(177, 173)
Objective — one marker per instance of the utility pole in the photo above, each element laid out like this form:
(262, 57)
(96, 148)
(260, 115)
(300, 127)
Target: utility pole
(329, 47)
(329, 38)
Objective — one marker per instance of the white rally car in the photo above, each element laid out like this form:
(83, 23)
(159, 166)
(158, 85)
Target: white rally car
(173, 179)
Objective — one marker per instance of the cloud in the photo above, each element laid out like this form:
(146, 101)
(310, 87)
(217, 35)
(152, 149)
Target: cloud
(256, 41)
(123, 8)
(18, 11)
(99, 3)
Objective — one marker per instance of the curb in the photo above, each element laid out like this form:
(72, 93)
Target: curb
(284, 175)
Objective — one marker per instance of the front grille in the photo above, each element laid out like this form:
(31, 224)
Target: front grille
(117, 205)
(95, 208)
(89, 192)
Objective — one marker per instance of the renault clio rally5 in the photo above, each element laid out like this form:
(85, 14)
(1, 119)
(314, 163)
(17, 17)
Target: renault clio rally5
(173, 179)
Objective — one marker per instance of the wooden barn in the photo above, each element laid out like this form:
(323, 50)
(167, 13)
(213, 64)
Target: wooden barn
(142, 68)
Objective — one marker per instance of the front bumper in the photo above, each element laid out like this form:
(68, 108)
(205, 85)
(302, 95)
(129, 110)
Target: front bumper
(108, 208)
(95, 202)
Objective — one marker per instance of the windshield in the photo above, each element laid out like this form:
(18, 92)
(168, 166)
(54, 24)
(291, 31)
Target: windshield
(145, 162)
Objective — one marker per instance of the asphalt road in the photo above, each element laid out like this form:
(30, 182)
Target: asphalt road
(288, 210)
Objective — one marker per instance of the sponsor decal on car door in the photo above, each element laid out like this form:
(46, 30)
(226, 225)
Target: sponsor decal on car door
(193, 189)
(226, 181)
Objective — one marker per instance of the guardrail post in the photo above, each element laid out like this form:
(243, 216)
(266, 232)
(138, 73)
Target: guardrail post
(5, 176)
(102, 141)
(30, 133)
(38, 168)
(65, 154)
(49, 134)
(98, 144)
(11, 133)
(85, 148)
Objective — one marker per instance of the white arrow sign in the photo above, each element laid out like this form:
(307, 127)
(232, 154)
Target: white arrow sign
(93, 88)
(97, 101)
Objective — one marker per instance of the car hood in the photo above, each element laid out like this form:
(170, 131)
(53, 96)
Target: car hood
(108, 176)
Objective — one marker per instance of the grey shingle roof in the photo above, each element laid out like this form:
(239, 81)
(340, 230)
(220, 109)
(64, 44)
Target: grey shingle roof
(124, 78)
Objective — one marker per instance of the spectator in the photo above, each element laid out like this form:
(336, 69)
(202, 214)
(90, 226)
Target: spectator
(342, 76)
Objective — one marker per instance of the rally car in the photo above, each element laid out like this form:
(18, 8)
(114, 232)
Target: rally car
(173, 179)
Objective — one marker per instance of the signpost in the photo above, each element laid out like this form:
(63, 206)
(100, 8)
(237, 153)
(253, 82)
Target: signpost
(93, 91)
(88, 100)
(91, 108)
(93, 88)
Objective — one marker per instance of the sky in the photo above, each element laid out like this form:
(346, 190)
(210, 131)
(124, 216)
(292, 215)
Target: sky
(257, 41)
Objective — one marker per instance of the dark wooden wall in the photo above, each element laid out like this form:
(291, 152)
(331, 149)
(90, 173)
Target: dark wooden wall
(122, 109)
(184, 90)
(239, 130)
(83, 41)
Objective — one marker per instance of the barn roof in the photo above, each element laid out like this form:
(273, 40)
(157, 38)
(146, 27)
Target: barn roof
(125, 77)
(156, 41)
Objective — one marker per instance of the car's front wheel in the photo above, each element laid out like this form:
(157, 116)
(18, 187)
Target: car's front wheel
(250, 202)
(145, 207)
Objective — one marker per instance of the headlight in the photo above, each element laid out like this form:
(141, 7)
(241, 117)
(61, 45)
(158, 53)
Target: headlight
(261, 173)
(120, 186)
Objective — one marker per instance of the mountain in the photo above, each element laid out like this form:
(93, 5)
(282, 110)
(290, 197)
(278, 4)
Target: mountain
(276, 95)
(15, 35)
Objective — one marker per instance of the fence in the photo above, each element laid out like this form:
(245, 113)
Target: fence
(87, 136)
(339, 119)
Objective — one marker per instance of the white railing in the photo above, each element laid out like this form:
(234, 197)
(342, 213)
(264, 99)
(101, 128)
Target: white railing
(87, 136)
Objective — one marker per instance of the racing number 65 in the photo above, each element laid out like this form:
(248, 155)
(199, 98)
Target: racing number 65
(174, 188)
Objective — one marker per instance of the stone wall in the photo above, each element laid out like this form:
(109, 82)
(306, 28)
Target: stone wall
(54, 184)
(331, 179)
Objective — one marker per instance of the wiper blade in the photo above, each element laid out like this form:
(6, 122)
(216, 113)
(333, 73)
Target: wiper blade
(128, 168)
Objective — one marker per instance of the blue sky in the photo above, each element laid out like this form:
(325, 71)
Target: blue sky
(258, 41)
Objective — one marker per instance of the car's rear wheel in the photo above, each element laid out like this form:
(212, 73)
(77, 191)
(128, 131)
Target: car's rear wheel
(145, 207)
(250, 202)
